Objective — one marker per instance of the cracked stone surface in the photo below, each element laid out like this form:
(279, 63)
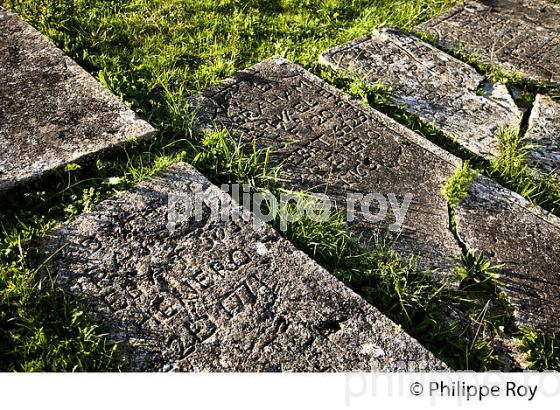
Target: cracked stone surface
(544, 135)
(432, 84)
(521, 35)
(332, 144)
(52, 112)
(522, 237)
(214, 295)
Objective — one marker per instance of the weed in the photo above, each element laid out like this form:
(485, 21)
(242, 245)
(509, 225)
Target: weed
(543, 351)
(512, 171)
(456, 188)
(477, 272)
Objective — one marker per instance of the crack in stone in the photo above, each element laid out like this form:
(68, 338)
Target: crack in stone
(453, 228)
(524, 125)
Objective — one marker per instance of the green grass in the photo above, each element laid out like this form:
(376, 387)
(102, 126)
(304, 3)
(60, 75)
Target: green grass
(510, 168)
(146, 50)
(153, 53)
(543, 351)
(456, 188)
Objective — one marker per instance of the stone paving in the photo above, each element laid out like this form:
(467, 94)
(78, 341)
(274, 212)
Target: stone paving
(209, 295)
(433, 85)
(520, 35)
(52, 112)
(329, 143)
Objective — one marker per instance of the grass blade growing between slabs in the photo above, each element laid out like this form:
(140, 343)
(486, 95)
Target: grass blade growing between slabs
(512, 170)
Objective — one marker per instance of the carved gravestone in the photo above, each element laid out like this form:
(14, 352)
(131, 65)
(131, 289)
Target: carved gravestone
(432, 84)
(516, 35)
(193, 291)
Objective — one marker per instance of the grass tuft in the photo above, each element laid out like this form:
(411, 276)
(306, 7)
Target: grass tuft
(456, 188)
(512, 171)
(543, 351)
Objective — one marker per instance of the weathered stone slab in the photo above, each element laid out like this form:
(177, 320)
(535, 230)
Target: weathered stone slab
(52, 112)
(543, 135)
(332, 144)
(522, 237)
(215, 295)
(433, 85)
(521, 35)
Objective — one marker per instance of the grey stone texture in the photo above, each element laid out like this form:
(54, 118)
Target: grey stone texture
(329, 143)
(521, 35)
(52, 112)
(212, 295)
(432, 84)
(522, 237)
(543, 135)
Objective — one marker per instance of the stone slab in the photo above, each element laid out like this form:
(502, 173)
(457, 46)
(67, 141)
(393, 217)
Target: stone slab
(543, 134)
(329, 143)
(52, 112)
(214, 294)
(432, 84)
(522, 237)
(520, 35)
